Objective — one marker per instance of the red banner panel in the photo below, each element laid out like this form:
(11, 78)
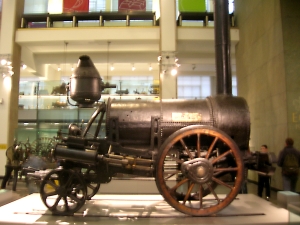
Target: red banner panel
(132, 5)
(76, 6)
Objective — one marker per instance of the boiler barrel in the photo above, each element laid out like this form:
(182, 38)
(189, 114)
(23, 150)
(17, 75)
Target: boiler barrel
(132, 119)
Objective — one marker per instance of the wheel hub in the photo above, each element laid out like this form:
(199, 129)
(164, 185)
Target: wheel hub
(199, 170)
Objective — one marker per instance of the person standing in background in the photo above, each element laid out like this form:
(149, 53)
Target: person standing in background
(289, 160)
(263, 179)
(13, 164)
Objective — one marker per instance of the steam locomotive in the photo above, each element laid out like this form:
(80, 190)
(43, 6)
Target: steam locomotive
(191, 147)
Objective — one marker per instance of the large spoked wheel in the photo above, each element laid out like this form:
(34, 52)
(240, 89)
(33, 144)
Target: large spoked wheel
(63, 191)
(197, 160)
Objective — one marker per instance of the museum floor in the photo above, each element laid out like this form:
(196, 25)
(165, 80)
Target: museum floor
(22, 190)
(143, 209)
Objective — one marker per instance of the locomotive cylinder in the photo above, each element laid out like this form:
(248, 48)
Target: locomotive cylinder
(63, 152)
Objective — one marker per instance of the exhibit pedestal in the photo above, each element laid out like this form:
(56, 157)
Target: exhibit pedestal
(144, 209)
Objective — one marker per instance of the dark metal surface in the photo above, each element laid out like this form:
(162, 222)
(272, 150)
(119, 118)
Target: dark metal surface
(63, 191)
(227, 113)
(222, 48)
(85, 83)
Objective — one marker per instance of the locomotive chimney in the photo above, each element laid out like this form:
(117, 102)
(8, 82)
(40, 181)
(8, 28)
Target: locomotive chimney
(85, 83)
(222, 47)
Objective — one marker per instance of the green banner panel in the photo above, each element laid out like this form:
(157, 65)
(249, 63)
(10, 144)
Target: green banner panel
(192, 5)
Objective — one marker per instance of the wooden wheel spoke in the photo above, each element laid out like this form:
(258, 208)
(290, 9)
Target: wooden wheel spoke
(69, 181)
(221, 156)
(179, 184)
(53, 207)
(222, 183)
(201, 196)
(230, 169)
(186, 148)
(198, 145)
(66, 204)
(74, 198)
(170, 174)
(188, 193)
(89, 185)
(211, 147)
(213, 192)
(175, 159)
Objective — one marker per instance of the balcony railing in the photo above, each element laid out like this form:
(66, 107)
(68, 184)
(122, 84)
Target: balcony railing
(100, 18)
(205, 17)
(47, 20)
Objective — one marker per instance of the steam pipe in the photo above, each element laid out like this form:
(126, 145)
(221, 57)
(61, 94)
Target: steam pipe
(222, 47)
(101, 108)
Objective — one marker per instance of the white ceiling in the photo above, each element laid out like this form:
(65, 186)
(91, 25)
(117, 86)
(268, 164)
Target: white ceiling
(196, 57)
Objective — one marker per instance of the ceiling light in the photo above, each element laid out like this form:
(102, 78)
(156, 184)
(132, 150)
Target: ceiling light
(112, 67)
(3, 62)
(150, 68)
(173, 72)
(133, 68)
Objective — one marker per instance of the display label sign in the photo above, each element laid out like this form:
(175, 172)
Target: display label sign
(186, 117)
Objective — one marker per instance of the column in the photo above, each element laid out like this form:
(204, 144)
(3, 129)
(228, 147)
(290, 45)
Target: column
(168, 31)
(9, 90)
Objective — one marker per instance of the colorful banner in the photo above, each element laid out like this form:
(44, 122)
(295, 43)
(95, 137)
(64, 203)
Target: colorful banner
(132, 5)
(192, 5)
(76, 6)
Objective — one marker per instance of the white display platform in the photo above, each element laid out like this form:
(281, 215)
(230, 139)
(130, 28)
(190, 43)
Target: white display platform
(144, 209)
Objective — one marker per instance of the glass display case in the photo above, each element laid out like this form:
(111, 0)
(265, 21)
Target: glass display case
(46, 110)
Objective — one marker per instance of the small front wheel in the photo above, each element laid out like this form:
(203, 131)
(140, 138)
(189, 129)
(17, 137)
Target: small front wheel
(63, 191)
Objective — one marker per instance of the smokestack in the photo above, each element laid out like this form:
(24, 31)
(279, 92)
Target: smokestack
(222, 47)
(85, 83)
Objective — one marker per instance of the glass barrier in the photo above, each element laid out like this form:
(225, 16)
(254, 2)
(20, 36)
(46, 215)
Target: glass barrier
(45, 109)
